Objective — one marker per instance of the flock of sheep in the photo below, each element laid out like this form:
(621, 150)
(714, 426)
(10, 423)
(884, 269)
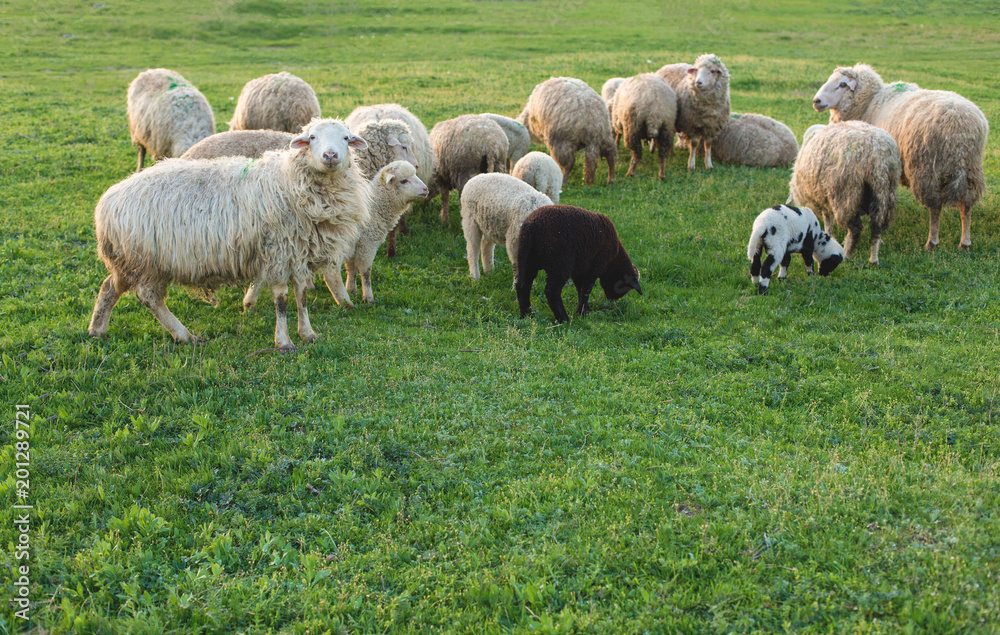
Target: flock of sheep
(285, 194)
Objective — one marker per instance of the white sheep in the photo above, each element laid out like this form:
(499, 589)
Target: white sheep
(206, 223)
(518, 139)
(756, 141)
(541, 172)
(609, 89)
(941, 138)
(567, 115)
(388, 141)
(810, 132)
(166, 114)
(393, 188)
(464, 147)
(280, 101)
(783, 230)
(702, 102)
(239, 143)
(848, 170)
(493, 208)
(644, 107)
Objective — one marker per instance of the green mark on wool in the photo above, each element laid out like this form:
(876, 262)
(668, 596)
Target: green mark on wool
(734, 115)
(174, 83)
(246, 169)
(901, 87)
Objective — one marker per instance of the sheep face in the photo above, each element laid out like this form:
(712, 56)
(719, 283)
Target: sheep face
(707, 72)
(403, 176)
(620, 277)
(400, 145)
(328, 141)
(838, 91)
(828, 253)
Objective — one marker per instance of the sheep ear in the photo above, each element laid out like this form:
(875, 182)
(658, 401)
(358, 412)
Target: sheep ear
(852, 83)
(388, 176)
(692, 71)
(357, 142)
(392, 141)
(301, 141)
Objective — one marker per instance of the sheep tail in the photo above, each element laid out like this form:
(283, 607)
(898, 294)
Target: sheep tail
(756, 244)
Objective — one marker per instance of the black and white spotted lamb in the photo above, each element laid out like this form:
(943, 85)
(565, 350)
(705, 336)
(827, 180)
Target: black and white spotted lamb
(571, 242)
(784, 230)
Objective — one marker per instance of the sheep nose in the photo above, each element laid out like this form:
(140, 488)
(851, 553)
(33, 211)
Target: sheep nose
(817, 102)
(700, 83)
(330, 155)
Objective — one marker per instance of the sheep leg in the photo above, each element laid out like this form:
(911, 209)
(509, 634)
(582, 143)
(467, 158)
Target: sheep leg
(583, 289)
(305, 329)
(755, 267)
(511, 247)
(445, 218)
(366, 285)
(522, 284)
(566, 159)
(351, 264)
(932, 237)
(364, 256)
(807, 257)
(331, 275)
(401, 224)
(152, 298)
(693, 149)
(707, 143)
(765, 274)
(553, 293)
(610, 160)
(783, 269)
(966, 211)
(281, 339)
(473, 245)
(663, 147)
(250, 298)
(590, 157)
(486, 252)
(107, 297)
(142, 158)
(876, 243)
(854, 229)
(390, 245)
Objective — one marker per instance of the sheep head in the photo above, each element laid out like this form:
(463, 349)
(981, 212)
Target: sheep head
(327, 141)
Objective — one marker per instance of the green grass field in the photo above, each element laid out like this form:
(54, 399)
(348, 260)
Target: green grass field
(825, 458)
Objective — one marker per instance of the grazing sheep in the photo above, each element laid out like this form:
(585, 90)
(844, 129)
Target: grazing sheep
(568, 115)
(166, 114)
(239, 143)
(783, 230)
(464, 147)
(541, 172)
(702, 102)
(644, 107)
(493, 208)
(388, 141)
(609, 89)
(571, 242)
(393, 188)
(941, 138)
(207, 223)
(756, 141)
(279, 101)
(847, 170)
(518, 139)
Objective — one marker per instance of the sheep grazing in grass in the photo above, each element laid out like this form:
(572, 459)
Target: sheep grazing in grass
(541, 172)
(941, 138)
(848, 170)
(567, 115)
(206, 223)
(571, 242)
(393, 188)
(783, 230)
(518, 139)
(644, 107)
(464, 147)
(756, 141)
(493, 208)
(239, 143)
(279, 101)
(609, 89)
(166, 114)
(702, 102)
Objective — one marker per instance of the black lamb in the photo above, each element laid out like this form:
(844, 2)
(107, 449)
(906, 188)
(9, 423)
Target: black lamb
(571, 242)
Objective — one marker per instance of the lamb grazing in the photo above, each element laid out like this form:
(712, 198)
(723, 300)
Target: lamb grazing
(609, 89)
(756, 141)
(278, 101)
(239, 143)
(567, 115)
(518, 139)
(421, 148)
(388, 141)
(166, 114)
(541, 172)
(570, 242)
(464, 147)
(644, 107)
(941, 138)
(702, 102)
(493, 208)
(783, 230)
(206, 223)
(847, 170)
(394, 188)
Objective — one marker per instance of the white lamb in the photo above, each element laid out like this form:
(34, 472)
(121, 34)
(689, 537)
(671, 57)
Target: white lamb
(541, 172)
(783, 230)
(229, 220)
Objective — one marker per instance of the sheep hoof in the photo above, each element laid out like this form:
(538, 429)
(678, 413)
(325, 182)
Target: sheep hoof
(965, 246)
(930, 246)
(309, 337)
(288, 348)
(761, 289)
(369, 300)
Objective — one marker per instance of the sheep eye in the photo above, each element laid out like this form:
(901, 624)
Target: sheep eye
(404, 181)
(312, 137)
(843, 84)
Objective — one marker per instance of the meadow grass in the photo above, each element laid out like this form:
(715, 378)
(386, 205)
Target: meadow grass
(821, 459)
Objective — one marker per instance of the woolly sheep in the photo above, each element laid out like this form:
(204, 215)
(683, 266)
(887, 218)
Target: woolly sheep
(464, 147)
(223, 221)
(756, 141)
(609, 89)
(278, 101)
(541, 172)
(388, 141)
(810, 132)
(847, 170)
(571, 242)
(393, 188)
(518, 139)
(239, 143)
(644, 107)
(493, 208)
(702, 102)
(166, 114)
(567, 115)
(941, 138)
(783, 230)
